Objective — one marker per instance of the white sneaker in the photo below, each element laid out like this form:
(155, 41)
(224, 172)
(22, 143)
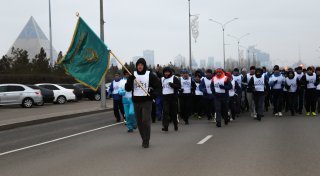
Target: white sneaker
(276, 114)
(280, 114)
(255, 116)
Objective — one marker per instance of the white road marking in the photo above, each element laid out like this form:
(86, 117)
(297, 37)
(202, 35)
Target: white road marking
(59, 139)
(204, 140)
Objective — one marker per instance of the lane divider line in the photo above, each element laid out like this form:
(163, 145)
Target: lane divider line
(204, 140)
(59, 139)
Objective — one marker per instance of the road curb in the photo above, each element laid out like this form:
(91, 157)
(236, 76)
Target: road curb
(50, 119)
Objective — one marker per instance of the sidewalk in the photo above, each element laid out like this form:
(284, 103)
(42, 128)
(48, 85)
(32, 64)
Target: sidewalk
(15, 116)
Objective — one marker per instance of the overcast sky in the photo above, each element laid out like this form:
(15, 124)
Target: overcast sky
(278, 27)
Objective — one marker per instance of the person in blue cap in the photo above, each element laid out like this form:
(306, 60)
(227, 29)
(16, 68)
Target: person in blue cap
(117, 98)
(127, 104)
(208, 99)
(276, 83)
(186, 93)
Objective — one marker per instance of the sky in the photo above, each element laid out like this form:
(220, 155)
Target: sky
(283, 28)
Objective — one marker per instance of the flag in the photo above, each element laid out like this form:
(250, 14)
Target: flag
(88, 58)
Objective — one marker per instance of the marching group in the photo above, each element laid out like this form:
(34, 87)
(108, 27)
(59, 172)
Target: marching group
(221, 96)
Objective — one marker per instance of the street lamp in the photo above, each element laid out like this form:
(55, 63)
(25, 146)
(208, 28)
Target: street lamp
(238, 40)
(50, 33)
(223, 25)
(103, 82)
(189, 17)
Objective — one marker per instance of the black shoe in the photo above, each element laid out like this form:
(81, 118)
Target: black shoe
(175, 128)
(218, 124)
(118, 120)
(135, 127)
(130, 131)
(259, 117)
(226, 121)
(145, 144)
(153, 120)
(165, 129)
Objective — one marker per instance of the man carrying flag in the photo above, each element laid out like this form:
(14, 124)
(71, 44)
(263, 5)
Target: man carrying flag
(143, 100)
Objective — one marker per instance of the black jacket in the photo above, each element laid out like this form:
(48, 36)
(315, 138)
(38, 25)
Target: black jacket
(252, 88)
(176, 86)
(154, 85)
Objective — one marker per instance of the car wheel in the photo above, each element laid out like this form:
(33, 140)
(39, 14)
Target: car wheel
(27, 103)
(97, 97)
(61, 100)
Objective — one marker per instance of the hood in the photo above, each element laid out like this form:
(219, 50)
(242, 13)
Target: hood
(228, 74)
(167, 69)
(290, 72)
(220, 71)
(144, 63)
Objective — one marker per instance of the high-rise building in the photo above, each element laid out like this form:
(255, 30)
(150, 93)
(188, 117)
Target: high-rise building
(258, 57)
(180, 61)
(113, 62)
(32, 39)
(149, 57)
(210, 62)
(203, 63)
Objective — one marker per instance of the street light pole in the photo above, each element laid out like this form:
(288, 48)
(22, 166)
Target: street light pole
(50, 33)
(238, 40)
(190, 60)
(223, 26)
(103, 82)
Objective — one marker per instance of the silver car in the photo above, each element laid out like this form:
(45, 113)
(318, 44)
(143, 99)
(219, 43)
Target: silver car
(17, 94)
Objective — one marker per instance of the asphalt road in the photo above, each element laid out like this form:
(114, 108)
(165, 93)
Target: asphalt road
(274, 147)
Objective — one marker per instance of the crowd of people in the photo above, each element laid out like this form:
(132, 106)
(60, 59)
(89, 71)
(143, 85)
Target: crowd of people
(221, 96)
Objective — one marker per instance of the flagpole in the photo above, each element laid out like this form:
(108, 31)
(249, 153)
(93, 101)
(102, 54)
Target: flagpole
(145, 91)
(103, 82)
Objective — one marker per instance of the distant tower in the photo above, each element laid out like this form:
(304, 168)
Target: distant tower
(32, 39)
(149, 57)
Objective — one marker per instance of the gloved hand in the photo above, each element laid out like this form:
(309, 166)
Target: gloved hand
(151, 92)
(287, 86)
(275, 82)
(171, 85)
(222, 87)
(131, 78)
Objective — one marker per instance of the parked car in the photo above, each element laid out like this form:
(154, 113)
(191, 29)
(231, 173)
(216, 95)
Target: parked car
(89, 93)
(17, 94)
(77, 90)
(61, 94)
(47, 95)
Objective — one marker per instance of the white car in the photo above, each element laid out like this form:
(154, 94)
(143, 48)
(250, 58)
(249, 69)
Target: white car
(61, 94)
(13, 94)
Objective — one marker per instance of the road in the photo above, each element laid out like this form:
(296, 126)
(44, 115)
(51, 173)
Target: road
(274, 147)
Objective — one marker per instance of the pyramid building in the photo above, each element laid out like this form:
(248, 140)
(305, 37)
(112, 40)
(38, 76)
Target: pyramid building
(32, 39)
